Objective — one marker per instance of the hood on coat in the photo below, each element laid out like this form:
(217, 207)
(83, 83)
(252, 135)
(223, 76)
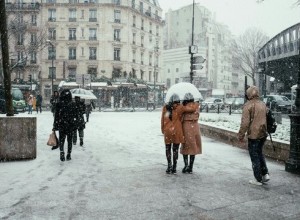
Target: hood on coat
(252, 92)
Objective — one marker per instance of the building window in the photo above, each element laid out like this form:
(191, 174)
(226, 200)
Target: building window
(93, 72)
(73, 1)
(33, 39)
(117, 53)
(93, 15)
(117, 35)
(72, 53)
(93, 53)
(133, 4)
(142, 58)
(141, 7)
(72, 14)
(51, 34)
(142, 24)
(51, 53)
(117, 2)
(117, 16)
(52, 72)
(150, 28)
(133, 38)
(51, 14)
(33, 19)
(157, 30)
(142, 41)
(33, 57)
(72, 33)
(72, 73)
(150, 76)
(20, 39)
(133, 56)
(92, 34)
(150, 59)
(142, 74)
(133, 20)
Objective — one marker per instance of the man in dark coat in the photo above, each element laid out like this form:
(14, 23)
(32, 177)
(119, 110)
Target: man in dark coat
(81, 123)
(39, 100)
(65, 121)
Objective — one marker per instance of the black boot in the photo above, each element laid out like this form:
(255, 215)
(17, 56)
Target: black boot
(54, 147)
(62, 156)
(69, 156)
(185, 160)
(81, 142)
(190, 168)
(174, 168)
(168, 171)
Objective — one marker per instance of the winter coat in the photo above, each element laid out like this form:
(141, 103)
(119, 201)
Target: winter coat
(254, 116)
(39, 100)
(172, 129)
(191, 131)
(66, 117)
(53, 101)
(81, 109)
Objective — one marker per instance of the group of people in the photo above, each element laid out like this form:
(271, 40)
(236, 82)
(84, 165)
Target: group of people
(34, 103)
(179, 125)
(68, 120)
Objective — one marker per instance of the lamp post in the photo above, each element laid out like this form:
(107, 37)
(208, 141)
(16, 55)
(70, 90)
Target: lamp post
(52, 60)
(293, 163)
(192, 46)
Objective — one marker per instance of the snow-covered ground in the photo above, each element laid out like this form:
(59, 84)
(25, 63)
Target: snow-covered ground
(232, 122)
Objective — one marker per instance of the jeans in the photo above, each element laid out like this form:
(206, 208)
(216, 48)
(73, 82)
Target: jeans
(259, 165)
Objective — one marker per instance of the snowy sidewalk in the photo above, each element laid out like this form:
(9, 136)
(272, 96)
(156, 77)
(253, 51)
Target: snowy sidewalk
(120, 174)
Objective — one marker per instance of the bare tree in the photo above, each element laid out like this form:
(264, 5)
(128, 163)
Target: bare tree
(297, 3)
(246, 48)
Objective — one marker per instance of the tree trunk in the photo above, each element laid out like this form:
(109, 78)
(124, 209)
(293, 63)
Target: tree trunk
(5, 61)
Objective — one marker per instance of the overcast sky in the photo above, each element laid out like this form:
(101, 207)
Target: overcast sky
(271, 16)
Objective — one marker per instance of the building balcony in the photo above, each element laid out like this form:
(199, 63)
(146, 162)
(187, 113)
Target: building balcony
(11, 7)
(72, 19)
(92, 19)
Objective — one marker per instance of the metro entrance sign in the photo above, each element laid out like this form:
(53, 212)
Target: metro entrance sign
(83, 79)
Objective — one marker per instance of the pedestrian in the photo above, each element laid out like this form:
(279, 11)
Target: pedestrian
(30, 103)
(65, 121)
(254, 123)
(53, 101)
(89, 107)
(81, 123)
(39, 100)
(171, 127)
(191, 131)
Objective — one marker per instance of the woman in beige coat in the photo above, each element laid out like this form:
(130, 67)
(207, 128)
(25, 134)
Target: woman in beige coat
(192, 135)
(171, 127)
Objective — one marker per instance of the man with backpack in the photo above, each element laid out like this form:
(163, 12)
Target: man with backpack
(254, 123)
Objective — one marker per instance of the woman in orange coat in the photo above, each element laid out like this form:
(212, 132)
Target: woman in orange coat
(171, 127)
(192, 135)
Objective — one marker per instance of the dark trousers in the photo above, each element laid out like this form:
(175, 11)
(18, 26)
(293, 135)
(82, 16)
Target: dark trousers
(37, 108)
(259, 165)
(80, 132)
(175, 148)
(62, 138)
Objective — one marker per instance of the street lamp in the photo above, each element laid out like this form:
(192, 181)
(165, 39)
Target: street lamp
(52, 58)
(155, 75)
(293, 163)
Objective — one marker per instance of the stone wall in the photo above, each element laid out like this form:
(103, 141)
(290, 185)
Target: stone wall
(17, 138)
(281, 152)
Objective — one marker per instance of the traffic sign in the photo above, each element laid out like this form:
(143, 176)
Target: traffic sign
(198, 59)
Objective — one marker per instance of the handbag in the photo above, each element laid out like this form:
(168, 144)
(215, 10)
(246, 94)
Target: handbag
(52, 139)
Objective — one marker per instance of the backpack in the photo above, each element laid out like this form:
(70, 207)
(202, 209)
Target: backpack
(271, 122)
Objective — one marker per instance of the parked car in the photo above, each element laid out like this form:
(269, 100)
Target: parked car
(228, 101)
(237, 103)
(213, 103)
(278, 103)
(19, 103)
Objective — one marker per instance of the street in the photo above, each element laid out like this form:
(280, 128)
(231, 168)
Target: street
(120, 174)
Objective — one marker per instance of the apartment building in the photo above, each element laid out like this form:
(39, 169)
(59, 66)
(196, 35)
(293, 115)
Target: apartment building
(104, 38)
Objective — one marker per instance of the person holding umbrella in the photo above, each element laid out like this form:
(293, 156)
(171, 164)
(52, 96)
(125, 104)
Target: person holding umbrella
(191, 131)
(171, 127)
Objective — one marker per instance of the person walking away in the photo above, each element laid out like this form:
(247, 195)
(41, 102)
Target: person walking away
(191, 131)
(65, 121)
(171, 127)
(39, 100)
(81, 123)
(89, 107)
(53, 101)
(30, 103)
(254, 123)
